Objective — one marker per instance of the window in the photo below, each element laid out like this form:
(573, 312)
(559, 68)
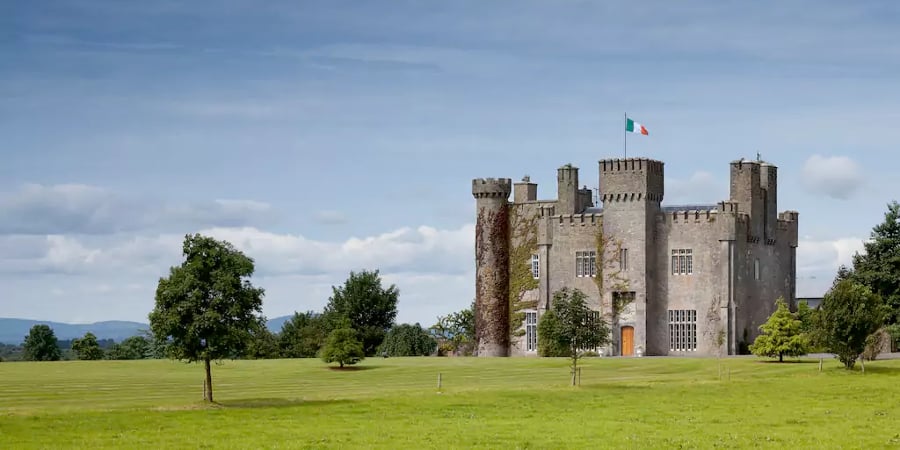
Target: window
(535, 266)
(756, 269)
(623, 259)
(586, 263)
(682, 330)
(531, 331)
(682, 261)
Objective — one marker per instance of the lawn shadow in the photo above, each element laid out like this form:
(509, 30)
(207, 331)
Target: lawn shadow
(789, 361)
(350, 368)
(277, 403)
(870, 368)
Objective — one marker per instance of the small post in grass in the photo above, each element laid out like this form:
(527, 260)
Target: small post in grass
(820, 364)
(439, 381)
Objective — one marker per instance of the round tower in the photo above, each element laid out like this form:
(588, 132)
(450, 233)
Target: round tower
(492, 265)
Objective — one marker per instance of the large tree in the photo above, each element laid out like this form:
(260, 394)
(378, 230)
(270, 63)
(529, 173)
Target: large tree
(849, 313)
(370, 308)
(87, 347)
(576, 328)
(207, 309)
(407, 340)
(878, 266)
(782, 335)
(41, 344)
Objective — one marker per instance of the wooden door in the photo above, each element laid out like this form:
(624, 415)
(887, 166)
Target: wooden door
(627, 341)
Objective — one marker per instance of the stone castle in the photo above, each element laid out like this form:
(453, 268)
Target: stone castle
(669, 280)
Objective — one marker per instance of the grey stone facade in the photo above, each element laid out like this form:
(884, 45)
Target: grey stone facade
(699, 279)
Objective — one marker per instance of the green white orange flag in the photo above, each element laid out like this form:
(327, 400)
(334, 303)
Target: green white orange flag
(635, 127)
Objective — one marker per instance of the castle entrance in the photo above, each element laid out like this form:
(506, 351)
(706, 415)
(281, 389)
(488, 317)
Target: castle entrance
(627, 341)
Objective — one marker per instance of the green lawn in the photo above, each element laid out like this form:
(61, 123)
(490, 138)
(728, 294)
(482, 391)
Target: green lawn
(497, 403)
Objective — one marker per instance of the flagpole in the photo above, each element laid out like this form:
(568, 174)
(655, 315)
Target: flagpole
(625, 131)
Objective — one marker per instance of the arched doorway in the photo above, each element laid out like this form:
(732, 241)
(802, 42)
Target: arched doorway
(627, 341)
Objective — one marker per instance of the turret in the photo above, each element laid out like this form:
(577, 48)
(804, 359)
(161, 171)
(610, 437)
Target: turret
(632, 179)
(768, 182)
(567, 190)
(747, 191)
(492, 265)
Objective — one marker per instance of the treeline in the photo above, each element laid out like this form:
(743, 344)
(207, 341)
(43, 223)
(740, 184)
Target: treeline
(41, 344)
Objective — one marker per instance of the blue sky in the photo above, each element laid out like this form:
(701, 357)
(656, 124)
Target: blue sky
(324, 137)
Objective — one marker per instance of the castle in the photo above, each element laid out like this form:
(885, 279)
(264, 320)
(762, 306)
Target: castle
(669, 280)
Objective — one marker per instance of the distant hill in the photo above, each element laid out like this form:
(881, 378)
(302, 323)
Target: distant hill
(13, 331)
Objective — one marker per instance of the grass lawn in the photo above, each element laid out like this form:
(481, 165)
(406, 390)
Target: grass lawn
(497, 403)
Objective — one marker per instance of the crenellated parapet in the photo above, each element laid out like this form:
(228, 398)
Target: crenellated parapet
(491, 187)
(589, 219)
(788, 226)
(631, 180)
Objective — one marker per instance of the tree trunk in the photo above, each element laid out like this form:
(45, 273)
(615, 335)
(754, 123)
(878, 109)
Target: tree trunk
(207, 387)
(781, 357)
(574, 370)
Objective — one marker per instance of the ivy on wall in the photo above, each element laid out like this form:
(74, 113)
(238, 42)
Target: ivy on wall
(489, 314)
(609, 272)
(523, 244)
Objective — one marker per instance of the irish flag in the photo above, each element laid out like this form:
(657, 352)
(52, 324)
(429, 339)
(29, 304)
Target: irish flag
(635, 127)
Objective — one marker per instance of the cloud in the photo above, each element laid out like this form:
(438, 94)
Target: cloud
(818, 261)
(37, 209)
(835, 176)
(701, 187)
(434, 269)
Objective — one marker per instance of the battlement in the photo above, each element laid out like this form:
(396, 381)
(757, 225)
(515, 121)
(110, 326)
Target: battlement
(692, 216)
(631, 180)
(591, 219)
(728, 207)
(491, 187)
(648, 165)
(788, 216)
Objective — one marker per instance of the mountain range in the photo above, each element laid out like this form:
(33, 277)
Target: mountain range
(13, 331)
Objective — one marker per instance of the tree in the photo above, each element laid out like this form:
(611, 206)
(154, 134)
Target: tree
(87, 347)
(343, 347)
(370, 308)
(576, 328)
(878, 267)
(134, 347)
(303, 335)
(207, 309)
(781, 335)
(263, 344)
(548, 331)
(849, 313)
(407, 340)
(41, 344)
(455, 332)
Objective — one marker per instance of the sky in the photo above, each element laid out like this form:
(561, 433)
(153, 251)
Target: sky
(324, 137)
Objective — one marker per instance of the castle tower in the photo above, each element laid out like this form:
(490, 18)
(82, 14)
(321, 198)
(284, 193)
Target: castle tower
(631, 191)
(492, 265)
(747, 192)
(567, 190)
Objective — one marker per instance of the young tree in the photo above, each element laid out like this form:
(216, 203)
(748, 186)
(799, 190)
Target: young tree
(781, 335)
(577, 327)
(407, 340)
(41, 344)
(206, 309)
(370, 308)
(878, 267)
(849, 313)
(343, 347)
(87, 348)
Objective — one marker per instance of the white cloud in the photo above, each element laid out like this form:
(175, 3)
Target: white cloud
(37, 209)
(834, 176)
(701, 187)
(818, 261)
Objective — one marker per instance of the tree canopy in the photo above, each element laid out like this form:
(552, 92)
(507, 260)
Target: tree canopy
(207, 309)
(87, 347)
(303, 335)
(369, 308)
(849, 313)
(455, 332)
(407, 340)
(575, 327)
(342, 347)
(41, 344)
(782, 335)
(878, 266)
